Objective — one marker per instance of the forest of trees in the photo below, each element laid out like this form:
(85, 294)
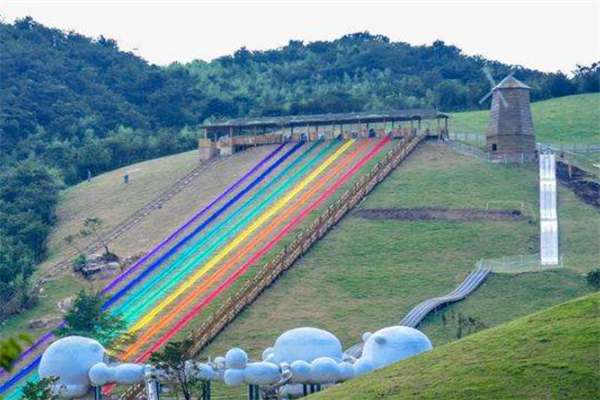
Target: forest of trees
(71, 104)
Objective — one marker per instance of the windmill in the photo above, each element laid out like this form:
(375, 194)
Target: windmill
(511, 135)
(494, 87)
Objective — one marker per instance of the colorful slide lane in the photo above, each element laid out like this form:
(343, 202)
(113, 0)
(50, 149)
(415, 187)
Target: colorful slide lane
(264, 250)
(48, 336)
(248, 231)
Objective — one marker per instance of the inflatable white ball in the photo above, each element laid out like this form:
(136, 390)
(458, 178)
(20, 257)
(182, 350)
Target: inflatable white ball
(100, 374)
(69, 359)
(262, 373)
(205, 371)
(300, 371)
(234, 377)
(325, 370)
(347, 371)
(128, 374)
(268, 354)
(306, 344)
(236, 358)
(390, 345)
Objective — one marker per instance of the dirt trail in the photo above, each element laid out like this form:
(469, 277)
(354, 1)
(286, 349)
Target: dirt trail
(439, 213)
(581, 182)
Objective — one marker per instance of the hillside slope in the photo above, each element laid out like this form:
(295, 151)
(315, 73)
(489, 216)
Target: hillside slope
(569, 119)
(108, 198)
(367, 274)
(553, 354)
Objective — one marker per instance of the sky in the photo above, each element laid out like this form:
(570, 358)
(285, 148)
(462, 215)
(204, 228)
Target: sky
(545, 35)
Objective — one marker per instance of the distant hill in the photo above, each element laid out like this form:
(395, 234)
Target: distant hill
(569, 119)
(82, 104)
(360, 72)
(549, 355)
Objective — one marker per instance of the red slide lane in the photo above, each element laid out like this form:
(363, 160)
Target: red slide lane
(224, 285)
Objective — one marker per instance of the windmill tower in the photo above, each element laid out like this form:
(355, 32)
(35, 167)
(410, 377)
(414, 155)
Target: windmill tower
(510, 135)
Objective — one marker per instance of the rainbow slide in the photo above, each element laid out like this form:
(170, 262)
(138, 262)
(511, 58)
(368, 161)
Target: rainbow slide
(220, 248)
(48, 336)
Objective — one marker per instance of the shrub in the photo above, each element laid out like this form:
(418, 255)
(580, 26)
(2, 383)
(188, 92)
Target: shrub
(593, 278)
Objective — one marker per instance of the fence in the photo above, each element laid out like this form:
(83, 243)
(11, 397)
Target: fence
(479, 138)
(467, 137)
(518, 264)
(468, 150)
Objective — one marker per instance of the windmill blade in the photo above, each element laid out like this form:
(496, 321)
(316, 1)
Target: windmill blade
(502, 99)
(488, 75)
(487, 96)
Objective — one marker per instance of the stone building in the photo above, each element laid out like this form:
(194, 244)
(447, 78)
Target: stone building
(511, 136)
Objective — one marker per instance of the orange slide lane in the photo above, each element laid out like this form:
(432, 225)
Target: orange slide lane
(204, 286)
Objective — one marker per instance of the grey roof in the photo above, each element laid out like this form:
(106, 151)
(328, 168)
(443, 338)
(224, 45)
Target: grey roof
(346, 118)
(510, 82)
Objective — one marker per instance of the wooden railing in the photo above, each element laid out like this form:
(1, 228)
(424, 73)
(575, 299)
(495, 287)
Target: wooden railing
(278, 137)
(303, 242)
(292, 252)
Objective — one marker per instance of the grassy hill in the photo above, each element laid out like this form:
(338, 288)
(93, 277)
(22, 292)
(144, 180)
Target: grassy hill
(107, 197)
(570, 119)
(367, 274)
(553, 354)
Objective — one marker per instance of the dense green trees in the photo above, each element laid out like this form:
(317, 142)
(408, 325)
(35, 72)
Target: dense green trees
(80, 104)
(72, 105)
(28, 194)
(358, 72)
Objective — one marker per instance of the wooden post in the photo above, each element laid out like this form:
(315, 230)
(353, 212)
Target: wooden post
(446, 126)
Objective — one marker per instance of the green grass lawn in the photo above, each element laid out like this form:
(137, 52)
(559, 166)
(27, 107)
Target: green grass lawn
(553, 354)
(570, 119)
(367, 274)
